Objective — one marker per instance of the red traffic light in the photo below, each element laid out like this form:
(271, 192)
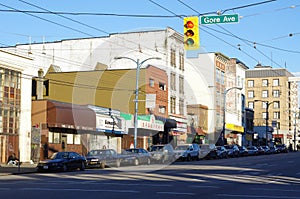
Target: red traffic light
(189, 24)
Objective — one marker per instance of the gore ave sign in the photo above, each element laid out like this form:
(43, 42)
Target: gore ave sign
(234, 18)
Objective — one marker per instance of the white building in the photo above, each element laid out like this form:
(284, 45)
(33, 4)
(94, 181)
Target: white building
(210, 72)
(15, 106)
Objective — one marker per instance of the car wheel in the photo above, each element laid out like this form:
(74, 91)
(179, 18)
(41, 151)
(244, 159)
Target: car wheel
(148, 161)
(102, 165)
(118, 163)
(188, 158)
(65, 168)
(82, 167)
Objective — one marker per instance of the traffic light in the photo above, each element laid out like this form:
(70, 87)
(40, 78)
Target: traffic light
(191, 33)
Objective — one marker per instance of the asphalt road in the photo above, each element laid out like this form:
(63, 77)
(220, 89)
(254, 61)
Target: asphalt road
(268, 176)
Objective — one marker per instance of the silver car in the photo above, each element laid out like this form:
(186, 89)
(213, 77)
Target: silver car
(187, 152)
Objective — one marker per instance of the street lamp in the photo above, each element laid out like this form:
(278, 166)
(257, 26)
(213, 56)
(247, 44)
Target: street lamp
(138, 66)
(267, 116)
(224, 112)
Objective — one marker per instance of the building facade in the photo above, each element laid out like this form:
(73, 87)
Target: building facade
(273, 99)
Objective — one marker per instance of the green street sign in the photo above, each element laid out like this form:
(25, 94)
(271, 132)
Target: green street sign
(234, 18)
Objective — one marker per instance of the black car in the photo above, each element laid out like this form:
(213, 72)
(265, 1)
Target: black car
(282, 148)
(63, 161)
(101, 158)
(142, 156)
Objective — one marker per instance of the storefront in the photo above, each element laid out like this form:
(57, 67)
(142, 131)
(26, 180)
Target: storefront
(233, 134)
(110, 127)
(147, 128)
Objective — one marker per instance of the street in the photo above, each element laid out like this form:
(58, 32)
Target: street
(266, 176)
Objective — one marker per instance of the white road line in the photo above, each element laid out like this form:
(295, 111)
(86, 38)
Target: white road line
(286, 190)
(82, 190)
(175, 193)
(5, 189)
(257, 196)
(204, 186)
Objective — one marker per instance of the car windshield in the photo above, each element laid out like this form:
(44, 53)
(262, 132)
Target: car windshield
(156, 148)
(96, 152)
(132, 150)
(228, 147)
(182, 147)
(59, 155)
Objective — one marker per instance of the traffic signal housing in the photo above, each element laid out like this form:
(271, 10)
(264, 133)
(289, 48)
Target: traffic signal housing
(191, 33)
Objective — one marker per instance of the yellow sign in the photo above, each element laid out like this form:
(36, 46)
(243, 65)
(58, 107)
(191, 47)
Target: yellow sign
(234, 127)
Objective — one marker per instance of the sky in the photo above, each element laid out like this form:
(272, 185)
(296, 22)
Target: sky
(268, 32)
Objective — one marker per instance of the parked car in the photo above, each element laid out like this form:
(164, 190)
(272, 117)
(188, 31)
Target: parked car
(243, 151)
(187, 152)
(267, 150)
(222, 152)
(261, 151)
(208, 151)
(142, 156)
(282, 148)
(233, 150)
(162, 153)
(274, 149)
(101, 158)
(252, 150)
(63, 161)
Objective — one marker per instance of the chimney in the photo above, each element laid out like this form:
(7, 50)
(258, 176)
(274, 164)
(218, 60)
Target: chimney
(40, 85)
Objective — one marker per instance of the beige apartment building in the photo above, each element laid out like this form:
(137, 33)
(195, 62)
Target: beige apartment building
(270, 93)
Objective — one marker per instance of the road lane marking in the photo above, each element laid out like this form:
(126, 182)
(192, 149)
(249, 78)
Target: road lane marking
(82, 190)
(174, 193)
(257, 196)
(204, 186)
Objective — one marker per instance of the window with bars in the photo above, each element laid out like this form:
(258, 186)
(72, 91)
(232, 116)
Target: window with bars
(181, 61)
(173, 105)
(173, 58)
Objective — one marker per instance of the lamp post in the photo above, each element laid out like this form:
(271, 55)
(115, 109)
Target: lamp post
(267, 116)
(224, 112)
(138, 66)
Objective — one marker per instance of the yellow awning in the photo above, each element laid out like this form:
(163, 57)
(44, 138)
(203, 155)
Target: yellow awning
(234, 127)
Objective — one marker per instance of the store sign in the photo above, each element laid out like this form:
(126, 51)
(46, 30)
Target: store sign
(152, 124)
(107, 124)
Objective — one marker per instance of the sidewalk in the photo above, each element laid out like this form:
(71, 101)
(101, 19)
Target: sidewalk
(25, 167)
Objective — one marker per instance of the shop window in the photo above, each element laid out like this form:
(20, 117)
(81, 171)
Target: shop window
(56, 138)
(70, 138)
(76, 139)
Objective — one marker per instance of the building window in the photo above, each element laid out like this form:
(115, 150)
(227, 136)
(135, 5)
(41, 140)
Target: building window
(181, 106)
(77, 139)
(250, 94)
(276, 115)
(173, 57)
(250, 83)
(173, 105)
(181, 84)
(162, 109)
(251, 105)
(173, 81)
(264, 115)
(151, 82)
(56, 138)
(276, 104)
(278, 125)
(162, 86)
(181, 61)
(264, 82)
(275, 82)
(264, 104)
(276, 93)
(264, 94)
